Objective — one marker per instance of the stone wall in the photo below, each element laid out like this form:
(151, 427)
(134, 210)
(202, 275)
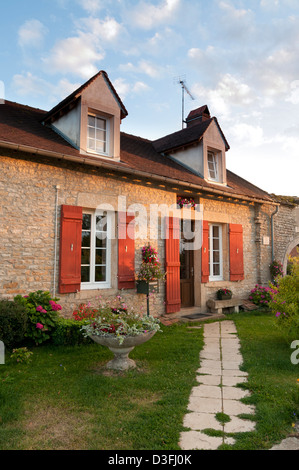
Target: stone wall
(32, 190)
(286, 230)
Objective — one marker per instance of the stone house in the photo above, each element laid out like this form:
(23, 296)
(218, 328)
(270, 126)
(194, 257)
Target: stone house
(80, 198)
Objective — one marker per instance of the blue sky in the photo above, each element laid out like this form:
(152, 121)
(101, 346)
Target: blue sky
(241, 58)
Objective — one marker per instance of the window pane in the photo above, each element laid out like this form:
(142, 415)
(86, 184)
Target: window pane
(100, 147)
(100, 273)
(91, 132)
(85, 256)
(85, 239)
(85, 274)
(215, 231)
(91, 144)
(91, 121)
(86, 223)
(100, 256)
(100, 123)
(101, 222)
(216, 269)
(101, 238)
(101, 135)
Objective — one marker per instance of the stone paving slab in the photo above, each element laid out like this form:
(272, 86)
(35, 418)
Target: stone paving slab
(235, 407)
(209, 379)
(206, 391)
(205, 405)
(199, 421)
(234, 393)
(194, 440)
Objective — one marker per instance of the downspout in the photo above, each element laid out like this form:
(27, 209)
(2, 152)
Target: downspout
(57, 187)
(272, 230)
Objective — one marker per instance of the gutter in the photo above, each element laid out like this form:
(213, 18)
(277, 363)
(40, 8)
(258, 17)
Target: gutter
(130, 171)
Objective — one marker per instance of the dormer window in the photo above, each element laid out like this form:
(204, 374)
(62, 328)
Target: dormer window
(97, 134)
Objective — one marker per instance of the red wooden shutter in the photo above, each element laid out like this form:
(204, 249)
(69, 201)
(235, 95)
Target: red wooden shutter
(172, 265)
(236, 252)
(70, 249)
(126, 251)
(205, 270)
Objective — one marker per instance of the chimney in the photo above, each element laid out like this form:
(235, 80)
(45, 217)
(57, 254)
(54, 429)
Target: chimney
(198, 115)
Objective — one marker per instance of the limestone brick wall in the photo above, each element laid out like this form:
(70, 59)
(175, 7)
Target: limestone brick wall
(27, 230)
(33, 188)
(286, 231)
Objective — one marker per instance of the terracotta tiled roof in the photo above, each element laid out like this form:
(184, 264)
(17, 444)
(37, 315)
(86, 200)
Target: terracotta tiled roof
(21, 126)
(186, 136)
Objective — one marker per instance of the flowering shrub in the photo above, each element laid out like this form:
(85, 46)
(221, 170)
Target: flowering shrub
(285, 304)
(151, 267)
(276, 269)
(262, 296)
(111, 324)
(21, 355)
(185, 201)
(42, 314)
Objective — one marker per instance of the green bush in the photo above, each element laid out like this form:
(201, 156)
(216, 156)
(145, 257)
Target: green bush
(285, 304)
(68, 332)
(42, 314)
(13, 323)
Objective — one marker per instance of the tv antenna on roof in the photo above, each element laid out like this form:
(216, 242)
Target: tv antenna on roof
(182, 82)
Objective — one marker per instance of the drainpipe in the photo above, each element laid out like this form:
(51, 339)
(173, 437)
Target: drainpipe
(272, 230)
(57, 187)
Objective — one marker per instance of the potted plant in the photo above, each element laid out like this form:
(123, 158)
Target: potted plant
(185, 202)
(120, 330)
(150, 271)
(224, 294)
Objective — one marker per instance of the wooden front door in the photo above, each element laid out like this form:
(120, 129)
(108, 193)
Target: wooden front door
(186, 268)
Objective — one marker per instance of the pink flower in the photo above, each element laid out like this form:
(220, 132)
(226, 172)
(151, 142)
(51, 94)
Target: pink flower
(39, 308)
(39, 326)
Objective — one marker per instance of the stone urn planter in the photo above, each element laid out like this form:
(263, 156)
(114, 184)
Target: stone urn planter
(121, 360)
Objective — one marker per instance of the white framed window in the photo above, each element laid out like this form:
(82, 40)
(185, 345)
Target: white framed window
(97, 134)
(96, 250)
(213, 166)
(215, 252)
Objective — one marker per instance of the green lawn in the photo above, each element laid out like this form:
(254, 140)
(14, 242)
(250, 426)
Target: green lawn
(66, 399)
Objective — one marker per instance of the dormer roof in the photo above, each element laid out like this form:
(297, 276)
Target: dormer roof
(187, 136)
(70, 101)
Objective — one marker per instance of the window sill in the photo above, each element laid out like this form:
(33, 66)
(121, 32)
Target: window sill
(95, 286)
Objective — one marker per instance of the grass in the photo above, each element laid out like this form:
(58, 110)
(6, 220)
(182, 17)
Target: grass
(66, 399)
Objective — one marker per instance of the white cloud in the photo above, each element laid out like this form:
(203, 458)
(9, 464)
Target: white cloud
(293, 97)
(252, 135)
(124, 88)
(78, 55)
(29, 84)
(108, 30)
(91, 6)
(144, 66)
(146, 15)
(31, 34)
(229, 91)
